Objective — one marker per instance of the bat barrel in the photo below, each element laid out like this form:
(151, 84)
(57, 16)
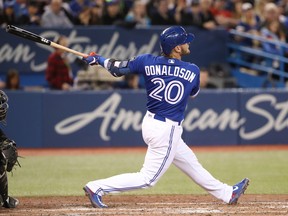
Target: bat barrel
(37, 38)
(26, 34)
(12, 29)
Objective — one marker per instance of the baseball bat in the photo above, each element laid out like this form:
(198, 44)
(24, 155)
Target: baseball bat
(38, 39)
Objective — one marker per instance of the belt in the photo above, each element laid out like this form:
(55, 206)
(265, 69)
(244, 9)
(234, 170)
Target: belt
(163, 119)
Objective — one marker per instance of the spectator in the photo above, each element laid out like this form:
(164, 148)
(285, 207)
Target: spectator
(178, 7)
(20, 8)
(207, 19)
(126, 5)
(191, 15)
(77, 6)
(91, 15)
(8, 16)
(2, 84)
(58, 72)
(12, 80)
(249, 23)
(162, 15)
(283, 11)
(84, 17)
(205, 79)
(283, 4)
(138, 14)
(96, 13)
(259, 8)
(271, 14)
(274, 32)
(54, 16)
(112, 13)
(32, 17)
(237, 10)
(223, 16)
(42, 6)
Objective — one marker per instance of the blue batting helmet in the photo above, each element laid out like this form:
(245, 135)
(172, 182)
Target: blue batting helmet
(174, 36)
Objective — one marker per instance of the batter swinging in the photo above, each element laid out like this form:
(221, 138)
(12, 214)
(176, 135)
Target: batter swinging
(169, 83)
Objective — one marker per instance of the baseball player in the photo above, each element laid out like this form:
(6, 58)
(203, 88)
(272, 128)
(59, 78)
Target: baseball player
(8, 157)
(169, 83)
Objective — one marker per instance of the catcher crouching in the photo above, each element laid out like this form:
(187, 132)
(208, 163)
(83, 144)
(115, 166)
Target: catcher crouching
(8, 157)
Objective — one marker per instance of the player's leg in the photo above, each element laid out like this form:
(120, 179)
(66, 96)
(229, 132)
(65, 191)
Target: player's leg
(147, 177)
(186, 160)
(162, 139)
(5, 200)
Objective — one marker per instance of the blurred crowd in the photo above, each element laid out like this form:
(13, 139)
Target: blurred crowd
(207, 14)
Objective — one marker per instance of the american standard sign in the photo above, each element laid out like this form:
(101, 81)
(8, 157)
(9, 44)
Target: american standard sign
(113, 118)
(262, 116)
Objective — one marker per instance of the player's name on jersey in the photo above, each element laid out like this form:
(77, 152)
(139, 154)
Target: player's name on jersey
(170, 71)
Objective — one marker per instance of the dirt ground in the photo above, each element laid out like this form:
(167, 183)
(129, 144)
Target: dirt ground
(268, 205)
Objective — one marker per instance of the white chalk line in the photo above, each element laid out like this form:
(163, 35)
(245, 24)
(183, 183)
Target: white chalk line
(161, 208)
(117, 209)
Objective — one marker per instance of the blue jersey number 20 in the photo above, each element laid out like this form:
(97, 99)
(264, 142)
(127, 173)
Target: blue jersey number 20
(167, 88)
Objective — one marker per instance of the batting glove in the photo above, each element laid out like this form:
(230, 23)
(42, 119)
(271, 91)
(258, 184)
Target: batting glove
(92, 59)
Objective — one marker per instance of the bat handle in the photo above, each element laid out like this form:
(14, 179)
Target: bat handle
(58, 46)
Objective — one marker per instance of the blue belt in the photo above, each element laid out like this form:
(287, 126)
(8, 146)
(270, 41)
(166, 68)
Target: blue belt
(163, 119)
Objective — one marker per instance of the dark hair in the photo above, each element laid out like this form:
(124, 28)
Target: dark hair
(59, 38)
(33, 3)
(11, 74)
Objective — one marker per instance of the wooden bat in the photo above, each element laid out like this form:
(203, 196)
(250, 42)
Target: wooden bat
(38, 39)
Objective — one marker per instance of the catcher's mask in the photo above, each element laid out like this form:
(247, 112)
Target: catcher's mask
(3, 105)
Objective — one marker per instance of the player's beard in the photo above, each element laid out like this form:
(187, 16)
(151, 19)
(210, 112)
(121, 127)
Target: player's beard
(185, 49)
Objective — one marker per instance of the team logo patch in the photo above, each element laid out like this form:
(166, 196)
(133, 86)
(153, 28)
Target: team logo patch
(235, 188)
(171, 61)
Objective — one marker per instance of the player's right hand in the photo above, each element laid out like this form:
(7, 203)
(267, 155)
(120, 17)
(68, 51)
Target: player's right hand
(92, 59)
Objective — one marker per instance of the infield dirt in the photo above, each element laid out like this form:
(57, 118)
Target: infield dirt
(268, 205)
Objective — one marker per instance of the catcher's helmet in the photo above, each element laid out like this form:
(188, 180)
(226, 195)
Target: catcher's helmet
(174, 36)
(3, 105)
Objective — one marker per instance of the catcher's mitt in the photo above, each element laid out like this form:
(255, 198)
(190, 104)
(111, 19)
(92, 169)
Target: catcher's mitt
(10, 151)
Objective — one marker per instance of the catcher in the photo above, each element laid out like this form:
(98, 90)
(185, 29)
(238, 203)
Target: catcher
(8, 157)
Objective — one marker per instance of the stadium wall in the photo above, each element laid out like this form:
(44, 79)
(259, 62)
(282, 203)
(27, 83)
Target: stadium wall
(113, 118)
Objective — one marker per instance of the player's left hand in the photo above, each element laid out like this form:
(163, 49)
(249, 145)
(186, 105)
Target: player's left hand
(92, 59)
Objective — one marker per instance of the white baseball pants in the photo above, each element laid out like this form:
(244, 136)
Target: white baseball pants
(165, 146)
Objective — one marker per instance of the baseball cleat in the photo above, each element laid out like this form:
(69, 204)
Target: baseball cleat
(95, 199)
(10, 202)
(238, 190)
